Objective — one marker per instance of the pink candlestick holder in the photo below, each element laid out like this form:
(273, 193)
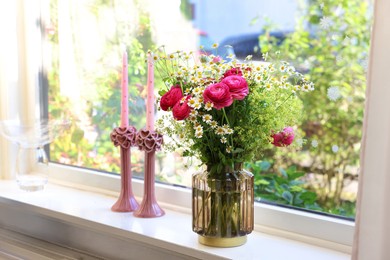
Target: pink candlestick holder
(125, 138)
(149, 141)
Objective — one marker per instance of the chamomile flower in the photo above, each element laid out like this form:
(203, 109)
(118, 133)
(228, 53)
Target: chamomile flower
(207, 118)
(215, 45)
(198, 128)
(194, 103)
(193, 113)
(198, 134)
(290, 70)
(229, 131)
(283, 78)
(155, 57)
(283, 68)
(306, 87)
(223, 140)
(208, 106)
(268, 86)
(220, 130)
(226, 128)
(258, 78)
(197, 91)
(229, 149)
(192, 119)
(296, 88)
(213, 124)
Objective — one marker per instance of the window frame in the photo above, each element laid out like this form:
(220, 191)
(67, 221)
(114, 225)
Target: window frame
(331, 232)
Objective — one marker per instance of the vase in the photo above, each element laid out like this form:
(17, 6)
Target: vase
(222, 206)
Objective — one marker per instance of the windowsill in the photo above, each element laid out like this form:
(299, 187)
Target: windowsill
(171, 233)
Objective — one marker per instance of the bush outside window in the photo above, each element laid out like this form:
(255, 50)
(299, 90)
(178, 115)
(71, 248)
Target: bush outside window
(328, 41)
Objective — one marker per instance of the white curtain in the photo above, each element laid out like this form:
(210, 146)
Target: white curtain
(372, 232)
(19, 64)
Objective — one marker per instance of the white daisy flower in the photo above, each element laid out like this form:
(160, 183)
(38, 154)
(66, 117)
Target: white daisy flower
(268, 86)
(198, 134)
(283, 68)
(220, 131)
(213, 124)
(208, 106)
(229, 149)
(223, 140)
(207, 118)
(258, 78)
(192, 119)
(198, 128)
(193, 113)
(229, 131)
(197, 91)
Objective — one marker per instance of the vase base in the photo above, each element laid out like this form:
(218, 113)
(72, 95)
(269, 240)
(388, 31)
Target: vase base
(221, 241)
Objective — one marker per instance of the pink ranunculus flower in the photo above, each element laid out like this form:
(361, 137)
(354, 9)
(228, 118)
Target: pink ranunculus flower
(169, 99)
(238, 86)
(181, 110)
(233, 71)
(218, 94)
(284, 138)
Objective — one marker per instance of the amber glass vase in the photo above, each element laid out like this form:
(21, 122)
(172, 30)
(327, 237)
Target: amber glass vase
(222, 206)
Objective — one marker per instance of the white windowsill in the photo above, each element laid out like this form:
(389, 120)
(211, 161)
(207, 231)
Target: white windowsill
(170, 234)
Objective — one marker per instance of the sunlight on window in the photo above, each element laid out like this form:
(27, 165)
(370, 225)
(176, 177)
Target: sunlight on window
(328, 42)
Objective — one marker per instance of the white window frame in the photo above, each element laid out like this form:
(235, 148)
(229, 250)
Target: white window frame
(309, 227)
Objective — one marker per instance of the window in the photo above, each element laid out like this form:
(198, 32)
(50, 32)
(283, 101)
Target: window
(84, 42)
(82, 67)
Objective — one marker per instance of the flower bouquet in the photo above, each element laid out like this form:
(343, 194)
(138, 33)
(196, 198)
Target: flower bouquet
(226, 112)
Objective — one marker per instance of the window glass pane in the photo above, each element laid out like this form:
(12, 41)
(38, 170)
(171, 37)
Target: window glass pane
(327, 41)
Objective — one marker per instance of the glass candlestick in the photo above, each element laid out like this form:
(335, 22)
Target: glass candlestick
(30, 138)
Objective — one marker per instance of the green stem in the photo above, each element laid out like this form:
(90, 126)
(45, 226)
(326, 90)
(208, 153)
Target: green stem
(227, 121)
(284, 101)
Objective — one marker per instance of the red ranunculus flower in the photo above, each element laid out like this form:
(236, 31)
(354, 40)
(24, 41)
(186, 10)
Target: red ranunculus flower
(283, 138)
(218, 94)
(181, 110)
(169, 99)
(238, 86)
(234, 71)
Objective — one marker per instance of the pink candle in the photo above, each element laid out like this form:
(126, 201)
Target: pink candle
(150, 95)
(125, 93)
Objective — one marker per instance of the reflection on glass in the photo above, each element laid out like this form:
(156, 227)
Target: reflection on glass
(327, 41)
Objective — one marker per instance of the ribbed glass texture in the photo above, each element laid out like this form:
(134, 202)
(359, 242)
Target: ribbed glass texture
(222, 207)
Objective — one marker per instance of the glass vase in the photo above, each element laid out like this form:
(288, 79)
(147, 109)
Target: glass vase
(222, 207)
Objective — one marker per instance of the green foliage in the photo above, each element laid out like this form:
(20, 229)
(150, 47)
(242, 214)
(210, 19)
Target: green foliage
(102, 104)
(286, 187)
(333, 54)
